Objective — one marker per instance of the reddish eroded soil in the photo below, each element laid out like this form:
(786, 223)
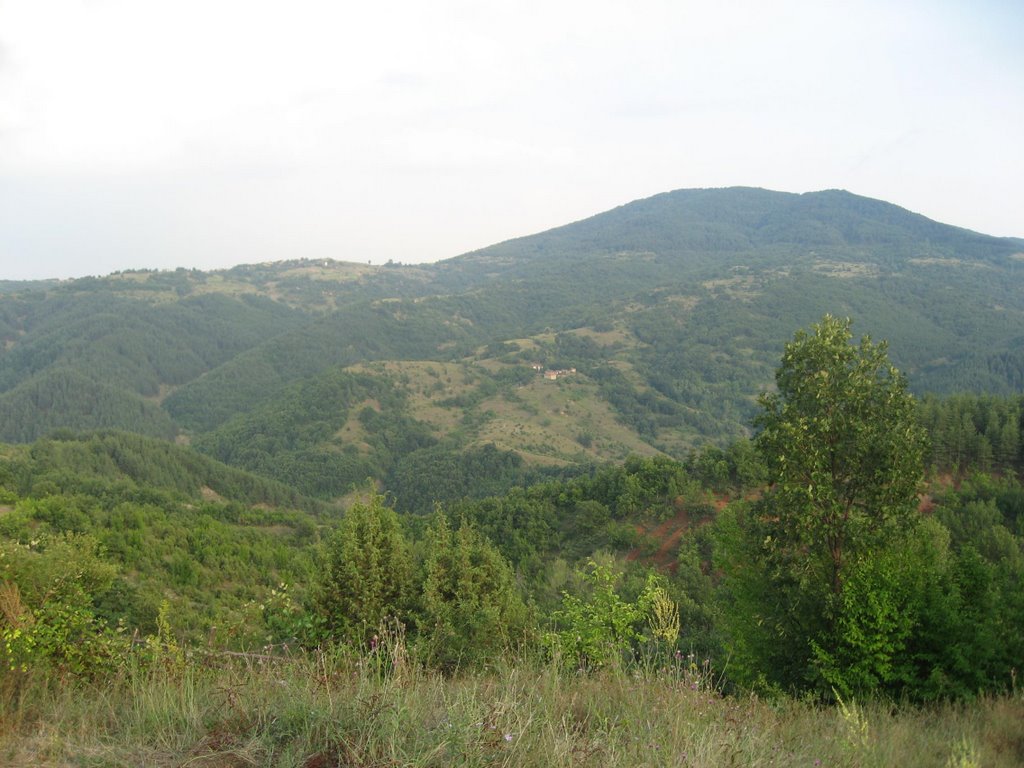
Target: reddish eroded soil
(667, 534)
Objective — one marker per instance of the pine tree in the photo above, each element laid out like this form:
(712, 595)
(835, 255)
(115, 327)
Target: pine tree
(472, 611)
(366, 574)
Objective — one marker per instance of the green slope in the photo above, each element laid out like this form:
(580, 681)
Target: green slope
(77, 462)
(208, 540)
(693, 229)
(697, 289)
(85, 357)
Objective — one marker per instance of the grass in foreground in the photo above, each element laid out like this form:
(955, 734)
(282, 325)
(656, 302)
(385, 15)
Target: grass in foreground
(316, 712)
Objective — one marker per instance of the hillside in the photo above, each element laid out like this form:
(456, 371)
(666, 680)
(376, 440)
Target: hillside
(130, 560)
(166, 525)
(697, 229)
(670, 309)
(70, 463)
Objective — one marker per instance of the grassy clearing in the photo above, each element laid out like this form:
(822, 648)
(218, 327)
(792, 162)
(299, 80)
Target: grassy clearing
(540, 420)
(619, 337)
(547, 418)
(324, 711)
(427, 384)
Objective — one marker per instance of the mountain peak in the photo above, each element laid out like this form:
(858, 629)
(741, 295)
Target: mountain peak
(693, 224)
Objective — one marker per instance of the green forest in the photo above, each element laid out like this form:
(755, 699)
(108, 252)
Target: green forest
(863, 546)
(315, 513)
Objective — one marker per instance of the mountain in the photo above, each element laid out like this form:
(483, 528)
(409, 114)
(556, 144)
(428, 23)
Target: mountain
(688, 232)
(672, 310)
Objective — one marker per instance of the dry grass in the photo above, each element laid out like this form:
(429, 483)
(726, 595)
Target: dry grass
(320, 711)
(541, 420)
(545, 421)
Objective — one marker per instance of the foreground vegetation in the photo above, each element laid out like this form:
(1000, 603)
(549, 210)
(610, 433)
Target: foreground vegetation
(791, 600)
(378, 709)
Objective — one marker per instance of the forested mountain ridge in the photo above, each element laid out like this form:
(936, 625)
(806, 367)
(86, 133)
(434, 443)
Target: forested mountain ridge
(70, 463)
(91, 357)
(671, 310)
(695, 227)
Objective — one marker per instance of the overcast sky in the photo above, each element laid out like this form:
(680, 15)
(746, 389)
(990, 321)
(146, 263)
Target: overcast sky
(208, 133)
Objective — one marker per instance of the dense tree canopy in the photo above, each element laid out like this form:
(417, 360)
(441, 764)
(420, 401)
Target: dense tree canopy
(366, 573)
(842, 444)
(819, 596)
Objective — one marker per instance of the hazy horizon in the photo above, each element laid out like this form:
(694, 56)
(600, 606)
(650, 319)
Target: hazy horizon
(206, 135)
(173, 267)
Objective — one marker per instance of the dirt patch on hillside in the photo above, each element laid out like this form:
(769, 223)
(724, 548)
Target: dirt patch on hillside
(668, 534)
(209, 494)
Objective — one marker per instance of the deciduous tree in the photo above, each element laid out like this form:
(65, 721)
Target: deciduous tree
(844, 453)
(843, 447)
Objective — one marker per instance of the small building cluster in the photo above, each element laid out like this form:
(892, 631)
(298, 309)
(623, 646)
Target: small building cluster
(553, 375)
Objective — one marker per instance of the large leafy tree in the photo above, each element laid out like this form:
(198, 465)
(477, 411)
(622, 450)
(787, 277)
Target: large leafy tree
(843, 446)
(816, 590)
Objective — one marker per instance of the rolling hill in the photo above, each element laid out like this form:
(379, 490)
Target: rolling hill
(672, 311)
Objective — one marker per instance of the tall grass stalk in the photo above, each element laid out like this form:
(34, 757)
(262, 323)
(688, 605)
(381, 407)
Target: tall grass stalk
(377, 709)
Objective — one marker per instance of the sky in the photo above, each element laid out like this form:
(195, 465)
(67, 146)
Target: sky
(208, 133)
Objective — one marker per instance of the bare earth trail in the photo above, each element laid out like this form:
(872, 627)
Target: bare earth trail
(668, 533)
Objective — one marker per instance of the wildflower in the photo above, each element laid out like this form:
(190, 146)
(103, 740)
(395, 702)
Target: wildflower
(508, 737)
